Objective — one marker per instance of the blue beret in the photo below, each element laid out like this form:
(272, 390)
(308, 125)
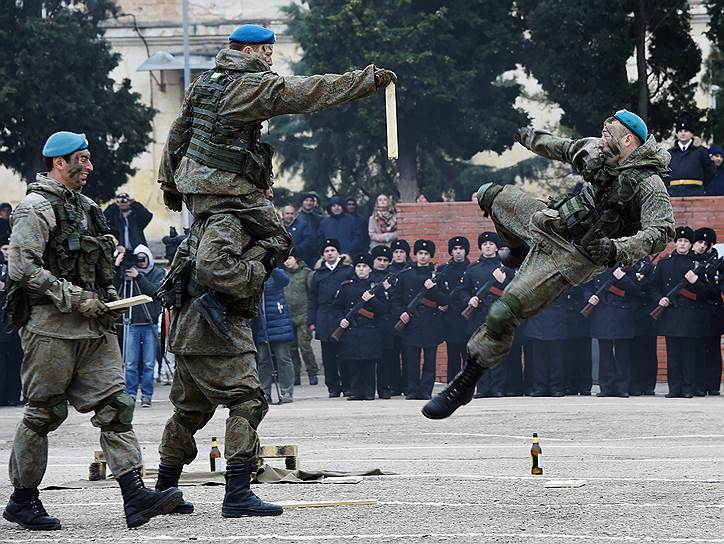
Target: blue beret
(634, 123)
(252, 34)
(63, 143)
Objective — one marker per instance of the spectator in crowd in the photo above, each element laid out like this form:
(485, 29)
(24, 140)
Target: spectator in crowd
(613, 323)
(303, 233)
(11, 353)
(350, 206)
(691, 167)
(297, 295)
(323, 316)
(361, 346)
(340, 226)
(715, 187)
(274, 334)
(309, 211)
(127, 219)
(137, 274)
(421, 199)
(6, 211)
(382, 224)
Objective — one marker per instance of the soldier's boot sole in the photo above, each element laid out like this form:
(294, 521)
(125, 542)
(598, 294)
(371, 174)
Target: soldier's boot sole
(51, 526)
(167, 502)
(266, 509)
(184, 508)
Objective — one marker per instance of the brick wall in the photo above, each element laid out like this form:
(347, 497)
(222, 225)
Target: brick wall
(440, 221)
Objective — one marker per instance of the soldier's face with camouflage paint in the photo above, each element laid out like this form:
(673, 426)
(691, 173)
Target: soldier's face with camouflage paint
(264, 52)
(617, 142)
(458, 254)
(74, 173)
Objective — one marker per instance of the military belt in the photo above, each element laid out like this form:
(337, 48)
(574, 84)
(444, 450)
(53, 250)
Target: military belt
(676, 182)
(429, 303)
(688, 294)
(366, 313)
(617, 291)
(495, 291)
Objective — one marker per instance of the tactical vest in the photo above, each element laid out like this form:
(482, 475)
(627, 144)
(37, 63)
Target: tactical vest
(80, 254)
(220, 143)
(604, 209)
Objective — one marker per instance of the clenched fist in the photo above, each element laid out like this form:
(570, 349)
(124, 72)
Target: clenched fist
(384, 77)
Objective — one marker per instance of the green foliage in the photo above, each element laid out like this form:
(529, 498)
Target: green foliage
(582, 64)
(713, 78)
(54, 75)
(451, 99)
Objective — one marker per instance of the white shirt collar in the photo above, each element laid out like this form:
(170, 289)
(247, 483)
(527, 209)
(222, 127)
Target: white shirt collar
(332, 266)
(684, 147)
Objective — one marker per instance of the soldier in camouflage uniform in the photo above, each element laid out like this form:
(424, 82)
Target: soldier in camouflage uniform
(61, 267)
(623, 214)
(214, 157)
(215, 161)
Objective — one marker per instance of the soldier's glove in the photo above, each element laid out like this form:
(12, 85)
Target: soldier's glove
(172, 198)
(602, 251)
(269, 260)
(524, 136)
(91, 306)
(384, 77)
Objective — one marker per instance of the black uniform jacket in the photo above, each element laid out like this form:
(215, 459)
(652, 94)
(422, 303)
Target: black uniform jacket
(688, 315)
(455, 324)
(425, 329)
(475, 276)
(321, 310)
(364, 338)
(576, 325)
(551, 323)
(614, 318)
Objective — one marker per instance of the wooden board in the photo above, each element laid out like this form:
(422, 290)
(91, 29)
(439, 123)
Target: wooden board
(326, 504)
(128, 302)
(391, 119)
(565, 483)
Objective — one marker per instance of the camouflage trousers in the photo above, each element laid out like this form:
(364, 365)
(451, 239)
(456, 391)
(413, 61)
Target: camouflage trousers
(302, 343)
(552, 266)
(200, 384)
(85, 372)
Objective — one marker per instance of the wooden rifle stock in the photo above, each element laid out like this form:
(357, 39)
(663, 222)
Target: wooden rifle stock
(468, 312)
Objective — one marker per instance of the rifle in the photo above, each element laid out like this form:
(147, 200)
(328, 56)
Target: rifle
(339, 331)
(468, 312)
(678, 289)
(640, 267)
(414, 303)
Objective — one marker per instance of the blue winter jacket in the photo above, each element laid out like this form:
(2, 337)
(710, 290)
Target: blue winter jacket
(273, 322)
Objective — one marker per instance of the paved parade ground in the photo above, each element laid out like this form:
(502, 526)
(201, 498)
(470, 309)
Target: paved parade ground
(653, 471)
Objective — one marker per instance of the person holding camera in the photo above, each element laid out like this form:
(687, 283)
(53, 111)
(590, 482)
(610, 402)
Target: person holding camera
(127, 219)
(136, 274)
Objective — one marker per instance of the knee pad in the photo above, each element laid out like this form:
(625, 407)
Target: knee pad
(57, 409)
(503, 316)
(193, 421)
(486, 194)
(253, 408)
(122, 420)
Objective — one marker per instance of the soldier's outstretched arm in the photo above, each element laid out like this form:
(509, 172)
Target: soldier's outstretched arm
(579, 153)
(657, 223)
(266, 94)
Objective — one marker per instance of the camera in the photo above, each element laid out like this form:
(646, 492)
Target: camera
(130, 260)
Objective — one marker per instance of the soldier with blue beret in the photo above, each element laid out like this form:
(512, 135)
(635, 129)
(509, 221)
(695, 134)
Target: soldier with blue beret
(252, 34)
(64, 143)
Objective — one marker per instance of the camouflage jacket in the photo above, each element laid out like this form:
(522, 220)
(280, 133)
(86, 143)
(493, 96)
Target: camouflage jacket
(258, 95)
(297, 291)
(33, 223)
(654, 215)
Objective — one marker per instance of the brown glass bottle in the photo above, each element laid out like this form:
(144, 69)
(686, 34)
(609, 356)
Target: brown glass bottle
(214, 454)
(535, 455)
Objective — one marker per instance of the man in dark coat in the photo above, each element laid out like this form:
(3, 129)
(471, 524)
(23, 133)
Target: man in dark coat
(11, 352)
(397, 374)
(423, 325)
(691, 167)
(684, 322)
(487, 268)
(388, 367)
(361, 223)
(577, 348)
(455, 324)
(613, 323)
(715, 187)
(127, 219)
(362, 345)
(6, 211)
(303, 233)
(323, 316)
(340, 226)
(645, 363)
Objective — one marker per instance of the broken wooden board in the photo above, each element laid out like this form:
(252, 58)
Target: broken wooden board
(124, 303)
(326, 504)
(565, 483)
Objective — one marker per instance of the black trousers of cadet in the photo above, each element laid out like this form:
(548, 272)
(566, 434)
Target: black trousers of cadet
(514, 371)
(644, 366)
(456, 355)
(713, 364)
(547, 369)
(492, 383)
(578, 366)
(419, 386)
(333, 366)
(394, 361)
(528, 366)
(681, 354)
(382, 373)
(11, 357)
(362, 377)
(614, 368)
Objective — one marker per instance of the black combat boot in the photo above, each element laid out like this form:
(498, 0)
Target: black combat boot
(141, 504)
(239, 501)
(168, 476)
(25, 509)
(458, 393)
(212, 306)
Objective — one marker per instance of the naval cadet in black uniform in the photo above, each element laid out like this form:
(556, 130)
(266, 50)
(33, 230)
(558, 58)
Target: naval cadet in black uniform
(323, 316)
(362, 345)
(645, 363)
(451, 273)
(547, 334)
(683, 323)
(613, 323)
(398, 372)
(389, 365)
(578, 360)
(488, 267)
(424, 329)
